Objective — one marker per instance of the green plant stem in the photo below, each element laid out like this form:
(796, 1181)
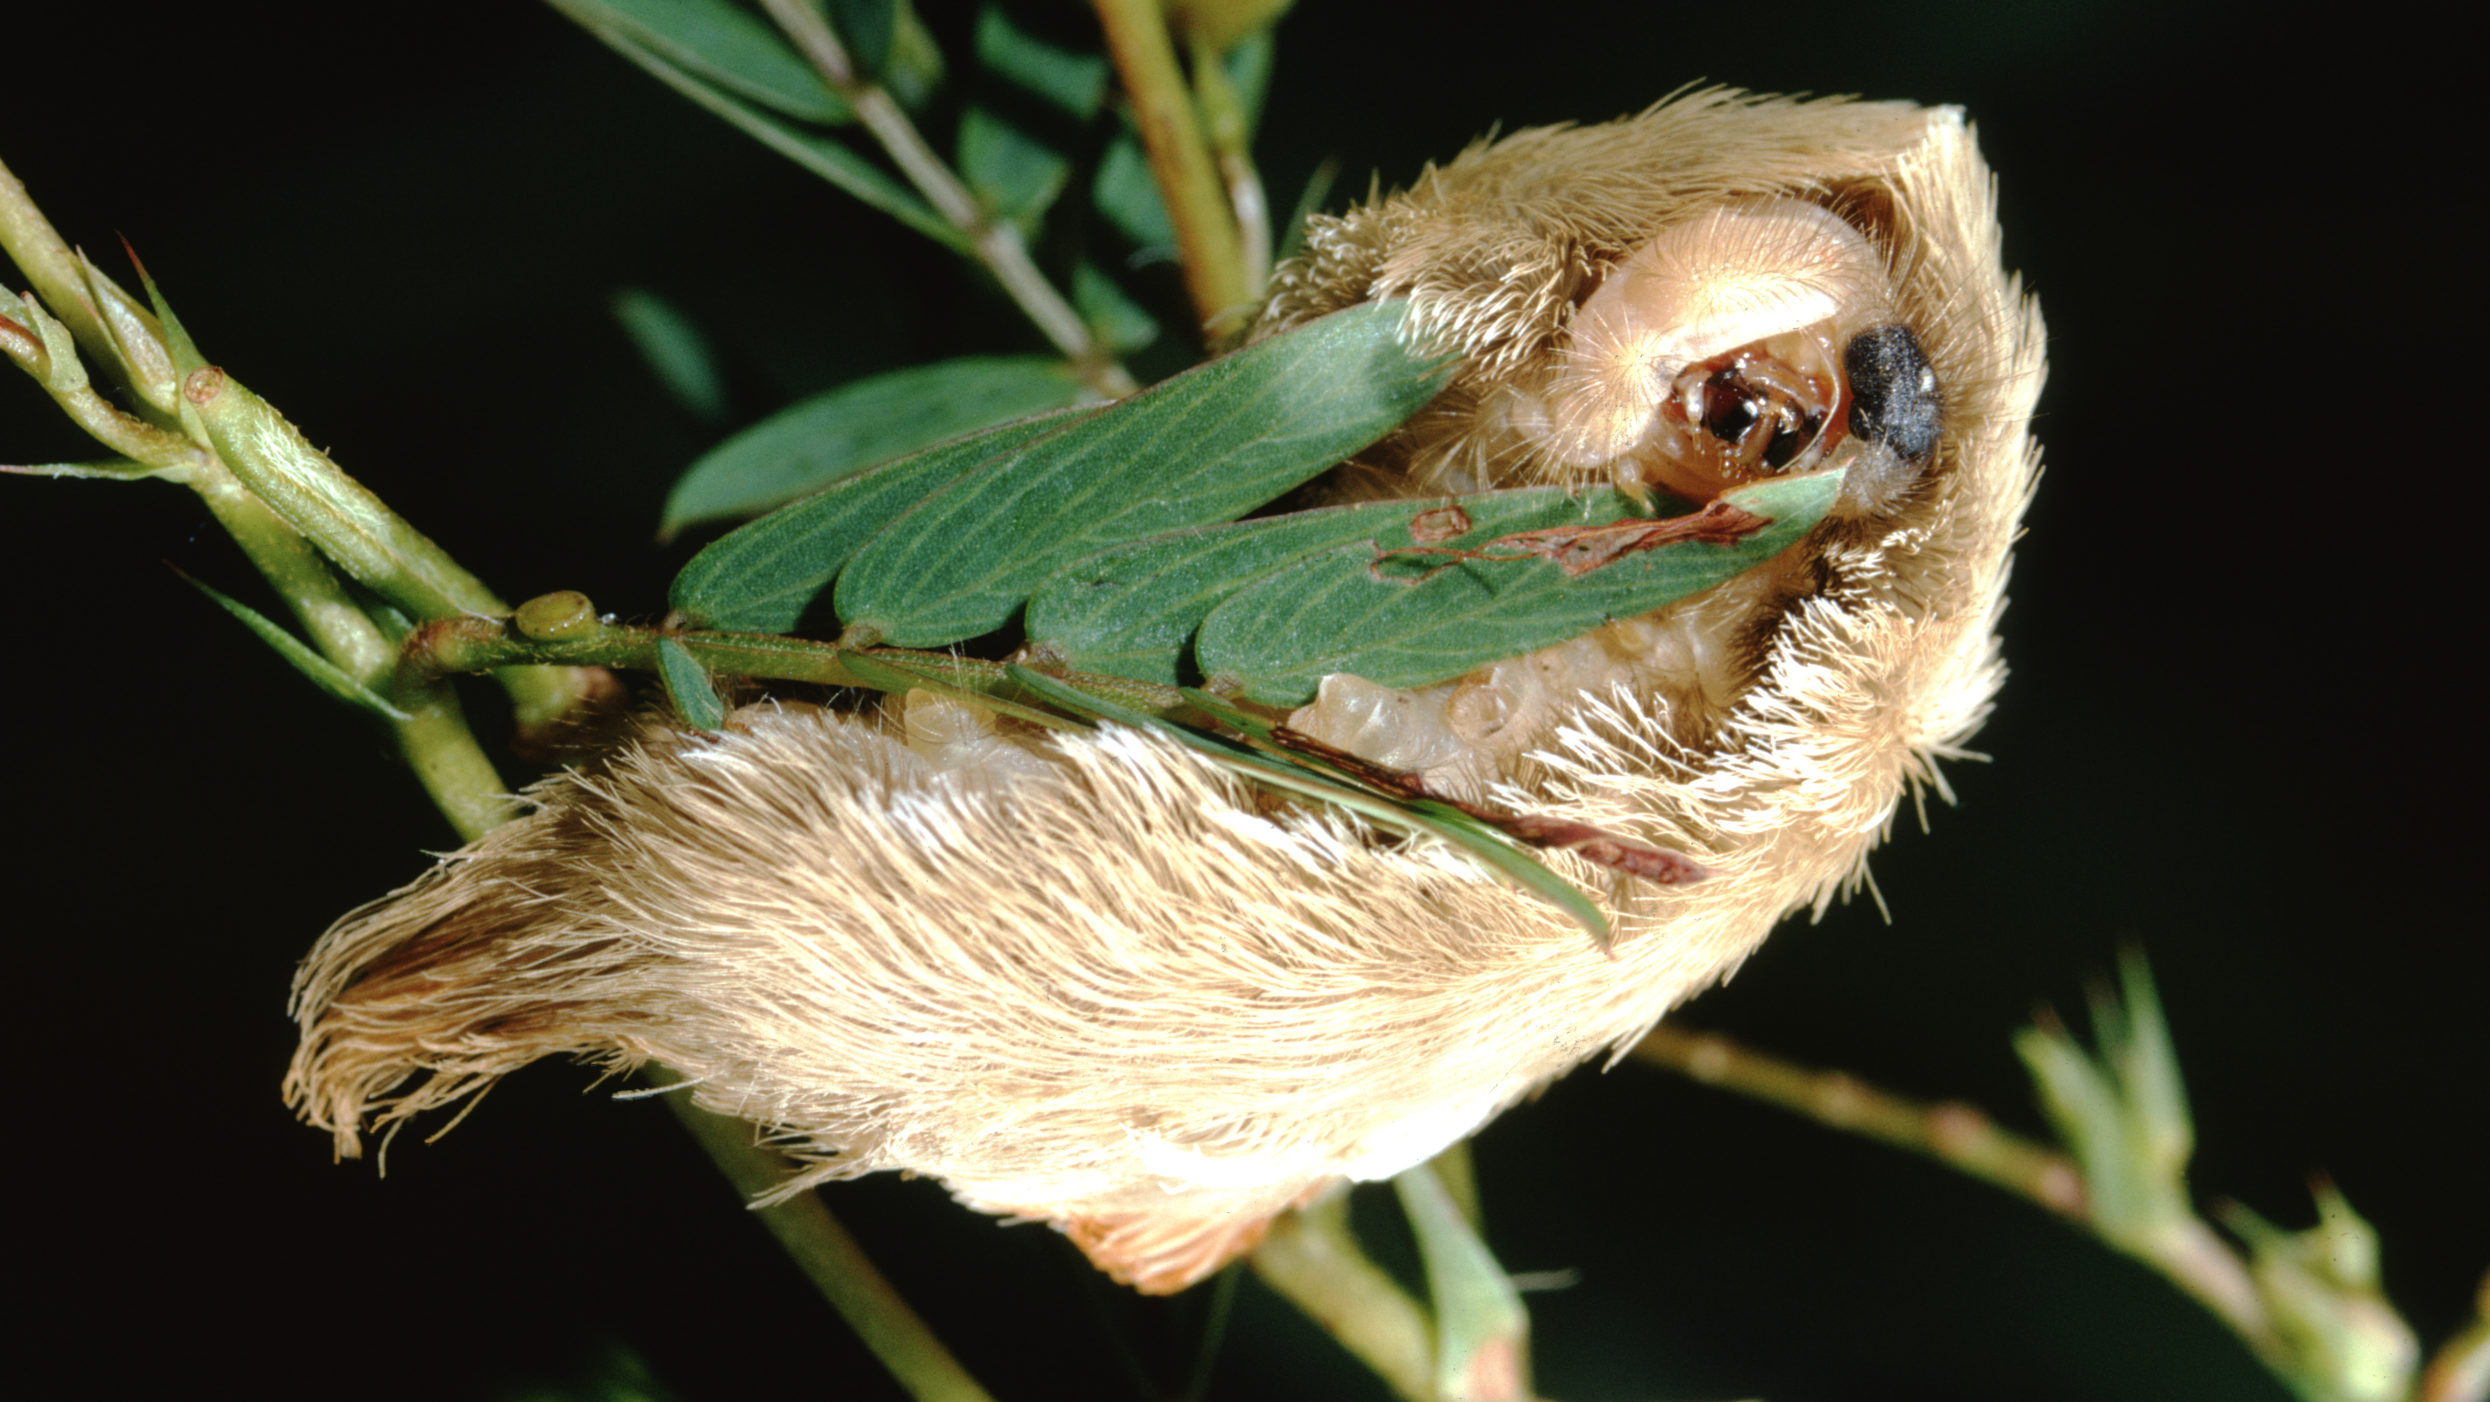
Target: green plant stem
(829, 1257)
(997, 244)
(48, 262)
(47, 349)
(2460, 1370)
(1960, 1136)
(1312, 1260)
(1231, 145)
(436, 744)
(353, 527)
(1459, 1179)
(350, 525)
(483, 644)
(1482, 1332)
(434, 738)
(433, 735)
(336, 622)
(1952, 1133)
(1180, 161)
(226, 424)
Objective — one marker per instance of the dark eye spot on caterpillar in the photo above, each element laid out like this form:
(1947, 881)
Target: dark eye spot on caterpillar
(1893, 392)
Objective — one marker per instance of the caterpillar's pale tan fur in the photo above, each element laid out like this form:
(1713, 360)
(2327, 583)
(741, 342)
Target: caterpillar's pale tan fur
(1092, 981)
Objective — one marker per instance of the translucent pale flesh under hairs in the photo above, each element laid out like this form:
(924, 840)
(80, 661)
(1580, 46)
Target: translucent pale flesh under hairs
(1088, 979)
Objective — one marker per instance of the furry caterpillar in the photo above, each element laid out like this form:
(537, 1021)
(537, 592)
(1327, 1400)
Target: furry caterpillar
(1088, 979)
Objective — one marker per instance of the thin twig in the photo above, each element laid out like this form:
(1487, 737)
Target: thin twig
(1950, 1132)
(2460, 1370)
(1314, 1262)
(1180, 161)
(269, 458)
(1459, 1176)
(1231, 144)
(437, 745)
(830, 1257)
(49, 263)
(997, 244)
(434, 738)
(488, 644)
(1482, 1330)
(432, 735)
(2188, 1255)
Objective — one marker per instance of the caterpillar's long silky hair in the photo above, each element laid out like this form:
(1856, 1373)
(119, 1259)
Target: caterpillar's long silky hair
(1088, 979)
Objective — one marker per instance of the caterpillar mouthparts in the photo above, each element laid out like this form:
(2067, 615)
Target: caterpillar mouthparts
(1085, 977)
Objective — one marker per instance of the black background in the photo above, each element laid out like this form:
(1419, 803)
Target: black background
(2237, 730)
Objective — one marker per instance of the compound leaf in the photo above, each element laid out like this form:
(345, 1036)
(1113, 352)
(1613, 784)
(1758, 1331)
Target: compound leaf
(1206, 446)
(1410, 615)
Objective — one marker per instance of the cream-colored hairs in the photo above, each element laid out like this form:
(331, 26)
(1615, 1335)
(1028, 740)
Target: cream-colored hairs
(1089, 979)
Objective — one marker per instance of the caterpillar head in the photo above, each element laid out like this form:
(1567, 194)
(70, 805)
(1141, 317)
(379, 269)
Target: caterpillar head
(1720, 290)
(1746, 342)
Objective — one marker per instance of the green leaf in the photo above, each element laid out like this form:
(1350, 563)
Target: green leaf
(1423, 614)
(828, 159)
(760, 577)
(866, 27)
(1248, 66)
(143, 358)
(915, 68)
(324, 674)
(1015, 175)
(721, 43)
(1129, 612)
(1205, 446)
(1464, 833)
(688, 686)
(1125, 193)
(1111, 316)
(1072, 83)
(676, 353)
(2147, 1065)
(1509, 861)
(1309, 202)
(839, 432)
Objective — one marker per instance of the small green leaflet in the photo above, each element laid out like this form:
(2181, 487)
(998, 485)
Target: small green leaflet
(1419, 614)
(1204, 447)
(673, 348)
(1110, 313)
(824, 437)
(1012, 150)
(324, 674)
(688, 686)
(1489, 848)
(1131, 611)
(1073, 83)
(1124, 191)
(722, 43)
(823, 157)
(867, 28)
(761, 577)
(1015, 175)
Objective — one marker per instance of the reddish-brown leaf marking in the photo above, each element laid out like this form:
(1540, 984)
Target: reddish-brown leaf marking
(1439, 525)
(1578, 550)
(1595, 845)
